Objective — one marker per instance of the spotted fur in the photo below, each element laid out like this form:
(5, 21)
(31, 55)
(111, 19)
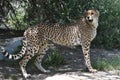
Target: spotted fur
(38, 39)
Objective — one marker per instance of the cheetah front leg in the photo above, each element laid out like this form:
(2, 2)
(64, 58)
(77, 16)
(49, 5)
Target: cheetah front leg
(86, 52)
(38, 64)
(41, 55)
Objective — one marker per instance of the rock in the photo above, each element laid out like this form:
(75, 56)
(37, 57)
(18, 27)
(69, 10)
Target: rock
(13, 44)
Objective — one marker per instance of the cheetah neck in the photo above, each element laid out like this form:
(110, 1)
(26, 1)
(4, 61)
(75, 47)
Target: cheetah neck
(95, 23)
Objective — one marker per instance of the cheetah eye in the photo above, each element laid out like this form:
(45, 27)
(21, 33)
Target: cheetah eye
(92, 13)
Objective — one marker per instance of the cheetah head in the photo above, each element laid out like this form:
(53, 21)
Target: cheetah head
(92, 16)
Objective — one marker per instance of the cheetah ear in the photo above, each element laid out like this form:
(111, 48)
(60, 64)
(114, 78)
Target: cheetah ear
(85, 11)
(98, 13)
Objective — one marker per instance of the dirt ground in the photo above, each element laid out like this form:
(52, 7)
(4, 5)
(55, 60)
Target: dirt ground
(69, 71)
(72, 70)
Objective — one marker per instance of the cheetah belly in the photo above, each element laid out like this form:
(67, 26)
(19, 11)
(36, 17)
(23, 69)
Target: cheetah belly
(66, 42)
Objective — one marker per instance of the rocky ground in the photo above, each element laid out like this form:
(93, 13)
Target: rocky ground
(72, 70)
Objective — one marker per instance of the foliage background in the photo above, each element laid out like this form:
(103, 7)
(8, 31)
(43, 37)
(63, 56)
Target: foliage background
(20, 14)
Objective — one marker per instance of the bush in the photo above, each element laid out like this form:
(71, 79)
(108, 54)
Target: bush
(109, 26)
(67, 11)
(107, 64)
(54, 59)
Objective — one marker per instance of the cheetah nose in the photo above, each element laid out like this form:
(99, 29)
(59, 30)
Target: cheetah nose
(89, 18)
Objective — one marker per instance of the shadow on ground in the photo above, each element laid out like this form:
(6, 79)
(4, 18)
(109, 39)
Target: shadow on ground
(72, 70)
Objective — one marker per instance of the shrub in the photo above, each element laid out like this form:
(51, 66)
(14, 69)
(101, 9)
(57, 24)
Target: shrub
(67, 11)
(107, 64)
(54, 60)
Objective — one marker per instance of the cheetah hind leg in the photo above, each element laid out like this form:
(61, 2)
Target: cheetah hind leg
(23, 64)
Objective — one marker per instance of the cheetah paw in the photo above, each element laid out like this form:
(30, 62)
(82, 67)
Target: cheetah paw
(27, 76)
(46, 71)
(93, 70)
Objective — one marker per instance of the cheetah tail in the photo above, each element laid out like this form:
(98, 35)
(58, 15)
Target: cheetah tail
(14, 56)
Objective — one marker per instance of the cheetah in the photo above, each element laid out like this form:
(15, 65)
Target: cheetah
(39, 38)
